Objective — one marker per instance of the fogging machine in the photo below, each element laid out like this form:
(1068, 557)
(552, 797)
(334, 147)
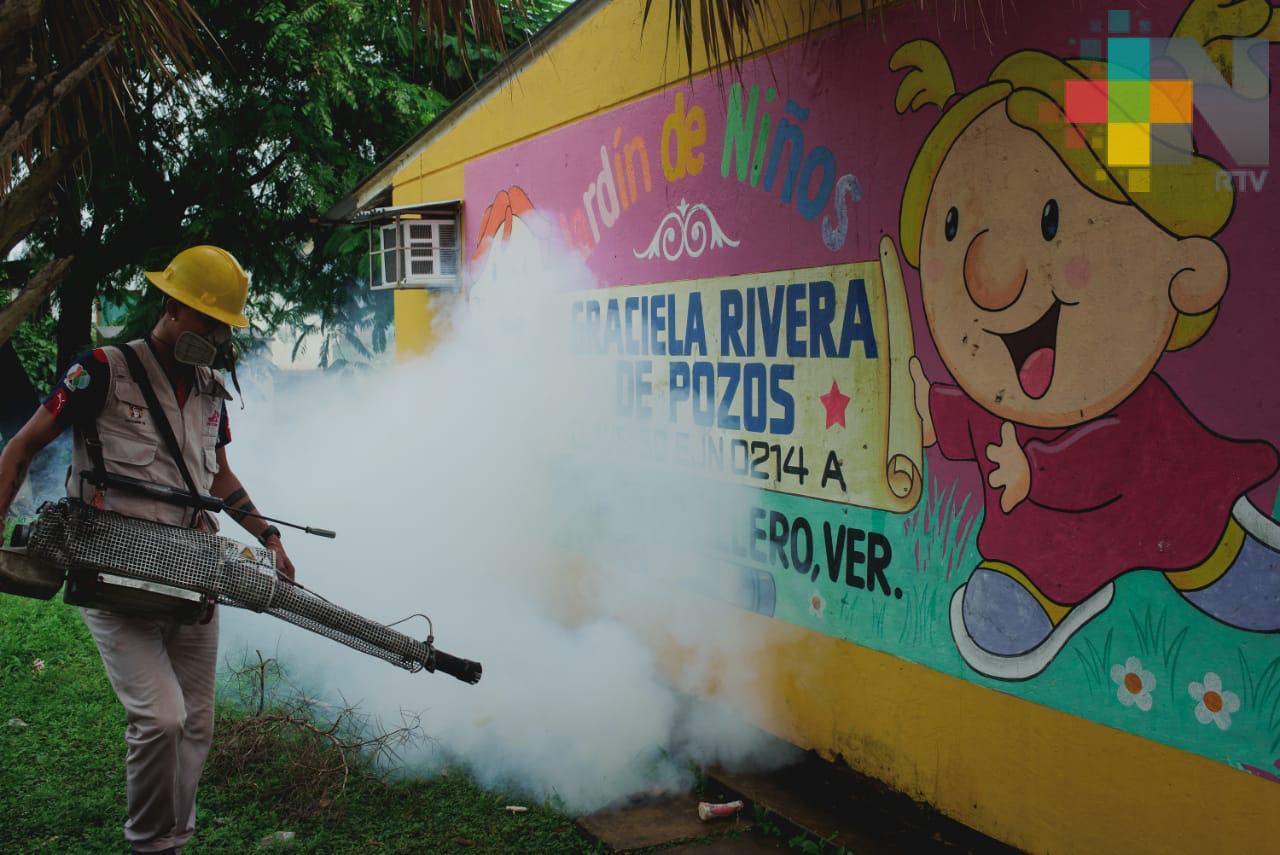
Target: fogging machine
(143, 568)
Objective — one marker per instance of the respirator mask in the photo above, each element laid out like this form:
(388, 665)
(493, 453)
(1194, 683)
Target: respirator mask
(218, 350)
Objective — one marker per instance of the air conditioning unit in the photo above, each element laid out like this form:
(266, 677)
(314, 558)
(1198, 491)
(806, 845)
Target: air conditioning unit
(414, 253)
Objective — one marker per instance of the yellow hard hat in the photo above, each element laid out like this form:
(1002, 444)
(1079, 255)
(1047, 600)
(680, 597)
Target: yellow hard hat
(209, 280)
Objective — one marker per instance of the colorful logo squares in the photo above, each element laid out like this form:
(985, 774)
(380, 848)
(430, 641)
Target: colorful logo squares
(1129, 103)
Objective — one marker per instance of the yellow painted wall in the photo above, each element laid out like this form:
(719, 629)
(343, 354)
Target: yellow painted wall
(1040, 779)
(413, 322)
(415, 308)
(1034, 777)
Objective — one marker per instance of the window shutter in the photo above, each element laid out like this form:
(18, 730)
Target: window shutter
(415, 254)
(448, 244)
(421, 244)
(390, 262)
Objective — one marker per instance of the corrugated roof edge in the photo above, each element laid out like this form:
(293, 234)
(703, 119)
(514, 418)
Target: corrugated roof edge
(381, 176)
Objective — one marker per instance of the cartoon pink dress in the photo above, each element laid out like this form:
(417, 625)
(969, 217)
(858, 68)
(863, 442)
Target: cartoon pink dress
(1145, 486)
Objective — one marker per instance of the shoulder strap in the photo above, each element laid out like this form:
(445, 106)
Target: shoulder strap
(88, 431)
(158, 418)
(93, 445)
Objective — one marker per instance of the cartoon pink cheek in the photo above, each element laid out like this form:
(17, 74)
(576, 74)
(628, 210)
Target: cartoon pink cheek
(1077, 273)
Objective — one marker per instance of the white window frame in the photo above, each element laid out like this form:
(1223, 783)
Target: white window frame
(408, 247)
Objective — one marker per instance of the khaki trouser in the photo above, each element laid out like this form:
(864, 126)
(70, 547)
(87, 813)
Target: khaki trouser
(163, 674)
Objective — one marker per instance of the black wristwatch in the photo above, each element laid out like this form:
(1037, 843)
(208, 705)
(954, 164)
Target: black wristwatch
(267, 533)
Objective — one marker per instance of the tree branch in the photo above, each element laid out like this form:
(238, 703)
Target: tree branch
(29, 205)
(17, 18)
(272, 166)
(36, 292)
(51, 93)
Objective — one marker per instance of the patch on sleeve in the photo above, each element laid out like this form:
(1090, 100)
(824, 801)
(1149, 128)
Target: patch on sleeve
(57, 402)
(77, 378)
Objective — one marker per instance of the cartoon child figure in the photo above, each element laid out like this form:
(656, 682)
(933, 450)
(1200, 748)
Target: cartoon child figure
(1052, 285)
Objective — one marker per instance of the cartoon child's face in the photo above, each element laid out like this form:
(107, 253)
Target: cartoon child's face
(1049, 304)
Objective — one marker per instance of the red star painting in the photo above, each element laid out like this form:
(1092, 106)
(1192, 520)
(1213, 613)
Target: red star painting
(836, 403)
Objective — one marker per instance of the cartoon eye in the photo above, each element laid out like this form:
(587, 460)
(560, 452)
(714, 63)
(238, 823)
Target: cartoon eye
(1049, 219)
(953, 223)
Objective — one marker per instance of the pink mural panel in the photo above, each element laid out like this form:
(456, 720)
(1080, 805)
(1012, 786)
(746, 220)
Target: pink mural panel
(1091, 294)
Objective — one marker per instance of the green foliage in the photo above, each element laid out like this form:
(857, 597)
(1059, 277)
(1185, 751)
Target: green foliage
(297, 101)
(805, 843)
(763, 821)
(467, 65)
(33, 342)
(338, 329)
(814, 846)
(700, 780)
(62, 783)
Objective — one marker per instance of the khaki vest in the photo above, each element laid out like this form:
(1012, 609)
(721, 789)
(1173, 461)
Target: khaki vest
(132, 446)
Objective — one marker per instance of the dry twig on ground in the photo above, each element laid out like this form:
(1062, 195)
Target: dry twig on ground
(294, 751)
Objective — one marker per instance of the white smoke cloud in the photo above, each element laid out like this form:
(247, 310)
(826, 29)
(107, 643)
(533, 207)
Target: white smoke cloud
(451, 484)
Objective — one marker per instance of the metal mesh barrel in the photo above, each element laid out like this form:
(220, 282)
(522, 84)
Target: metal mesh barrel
(76, 537)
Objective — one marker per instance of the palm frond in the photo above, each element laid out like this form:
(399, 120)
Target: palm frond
(728, 29)
(725, 26)
(354, 342)
(65, 66)
(442, 19)
(300, 343)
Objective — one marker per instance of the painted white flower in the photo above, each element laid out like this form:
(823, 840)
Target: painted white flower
(1134, 683)
(1212, 703)
(817, 605)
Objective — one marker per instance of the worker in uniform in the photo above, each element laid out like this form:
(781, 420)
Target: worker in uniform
(161, 670)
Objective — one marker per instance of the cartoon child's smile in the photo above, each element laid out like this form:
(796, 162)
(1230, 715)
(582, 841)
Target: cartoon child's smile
(1033, 350)
(1091, 466)
(1026, 315)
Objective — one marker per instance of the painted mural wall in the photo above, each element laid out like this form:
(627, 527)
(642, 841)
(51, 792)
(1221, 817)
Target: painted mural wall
(986, 317)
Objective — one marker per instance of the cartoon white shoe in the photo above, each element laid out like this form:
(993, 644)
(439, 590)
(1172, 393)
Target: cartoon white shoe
(1006, 630)
(1239, 584)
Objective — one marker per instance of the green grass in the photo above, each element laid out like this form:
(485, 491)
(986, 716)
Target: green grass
(940, 533)
(62, 776)
(1096, 662)
(1262, 695)
(1154, 641)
